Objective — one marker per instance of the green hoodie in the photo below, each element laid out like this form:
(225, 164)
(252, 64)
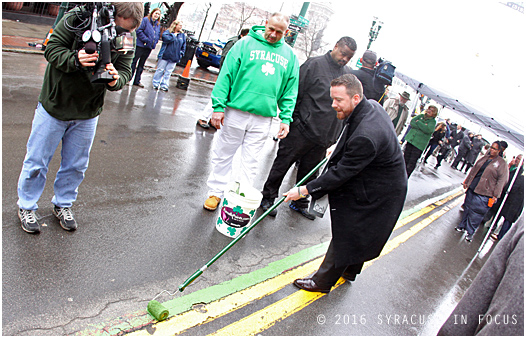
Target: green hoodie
(258, 77)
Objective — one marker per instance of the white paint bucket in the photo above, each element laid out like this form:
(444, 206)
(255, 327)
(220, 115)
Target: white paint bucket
(240, 203)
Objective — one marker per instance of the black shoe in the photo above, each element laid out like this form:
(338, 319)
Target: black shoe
(459, 229)
(469, 238)
(302, 211)
(308, 284)
(65, 216)
(267, 203)
(164, 89)
(203, 124)
(29, 221)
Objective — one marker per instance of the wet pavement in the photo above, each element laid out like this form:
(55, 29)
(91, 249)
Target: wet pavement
(142, 228)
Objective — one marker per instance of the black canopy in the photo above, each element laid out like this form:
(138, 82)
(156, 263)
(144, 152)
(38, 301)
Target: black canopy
(500, 129)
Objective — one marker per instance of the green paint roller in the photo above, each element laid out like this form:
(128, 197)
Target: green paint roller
(159, 312)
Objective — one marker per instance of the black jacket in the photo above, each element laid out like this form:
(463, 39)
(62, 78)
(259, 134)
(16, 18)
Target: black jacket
(313, 114)
(366, 182)
(366, 75)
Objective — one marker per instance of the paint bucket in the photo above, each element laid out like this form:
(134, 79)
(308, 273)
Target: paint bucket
(240, 203)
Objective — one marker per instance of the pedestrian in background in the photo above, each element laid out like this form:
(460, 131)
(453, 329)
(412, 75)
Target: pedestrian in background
(483, 183)
(250, 89)
(173, 48)
(68, 111)
(473, 153)
(422, 127)
(463, 149)
(147, 38)
(315, 127)
(365, 182)
(398, 111)
(436, 140)
(444, 150)
(366, 75)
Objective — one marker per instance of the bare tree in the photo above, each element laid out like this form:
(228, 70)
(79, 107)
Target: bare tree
(171, 13)
(311, 39)
(246, 12)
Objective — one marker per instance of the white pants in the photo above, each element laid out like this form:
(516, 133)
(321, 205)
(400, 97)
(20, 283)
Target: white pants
(206, 114)
(240, 129)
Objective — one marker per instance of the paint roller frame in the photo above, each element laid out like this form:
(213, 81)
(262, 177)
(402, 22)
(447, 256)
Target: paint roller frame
(160, 312)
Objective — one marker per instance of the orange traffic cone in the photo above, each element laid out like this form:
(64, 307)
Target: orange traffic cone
(184, 80)
(186, 71)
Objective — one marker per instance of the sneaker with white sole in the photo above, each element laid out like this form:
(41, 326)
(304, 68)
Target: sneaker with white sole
(29, 221)
(65, 216)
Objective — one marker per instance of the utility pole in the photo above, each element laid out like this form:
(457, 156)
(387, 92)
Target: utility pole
(297, 23)
(204, 21)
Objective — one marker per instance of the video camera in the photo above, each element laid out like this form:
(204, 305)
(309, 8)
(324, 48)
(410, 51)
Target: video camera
(102, 36)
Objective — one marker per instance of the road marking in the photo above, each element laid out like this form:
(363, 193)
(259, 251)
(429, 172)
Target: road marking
(267, 317)
(220, 306)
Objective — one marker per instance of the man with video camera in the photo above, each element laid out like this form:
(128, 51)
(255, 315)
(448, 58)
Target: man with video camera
(71, 100)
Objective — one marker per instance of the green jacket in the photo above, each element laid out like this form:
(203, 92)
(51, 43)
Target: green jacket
(258, 77)
(67, 92)
(422, 129)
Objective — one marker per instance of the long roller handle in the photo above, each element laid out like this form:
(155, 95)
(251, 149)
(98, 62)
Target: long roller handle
(241, 235)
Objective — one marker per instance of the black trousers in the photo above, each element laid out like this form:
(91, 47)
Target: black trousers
(411, 156)
(328, 274)
(292, 148)
(141, 55)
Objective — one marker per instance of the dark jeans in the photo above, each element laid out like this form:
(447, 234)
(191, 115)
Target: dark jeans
(292, 148)
(440, 158)
(328, 274)
(462, 152)
(141, 55)
(411, 156)
(475, 207)
(506, 225)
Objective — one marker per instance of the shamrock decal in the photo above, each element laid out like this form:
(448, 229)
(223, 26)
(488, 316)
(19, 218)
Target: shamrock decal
(268, 68)
(219, 221)
(252, 212)
(238, 209)
(231, 230)
(225, 202)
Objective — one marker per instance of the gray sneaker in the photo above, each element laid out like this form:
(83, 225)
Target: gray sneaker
(29, 221)
(65, 216)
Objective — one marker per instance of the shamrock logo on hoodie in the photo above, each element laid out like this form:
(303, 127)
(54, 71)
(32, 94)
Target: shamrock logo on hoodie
(268, 68)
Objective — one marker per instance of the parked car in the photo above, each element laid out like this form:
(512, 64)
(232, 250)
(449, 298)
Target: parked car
(209, 54)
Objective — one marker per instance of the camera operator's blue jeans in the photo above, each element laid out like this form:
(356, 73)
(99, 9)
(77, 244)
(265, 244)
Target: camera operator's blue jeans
(46, 133)
(161, 78)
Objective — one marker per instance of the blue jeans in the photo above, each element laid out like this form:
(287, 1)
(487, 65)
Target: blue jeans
(141, 55)
(475, 207)
(161, 78)
(46, 133)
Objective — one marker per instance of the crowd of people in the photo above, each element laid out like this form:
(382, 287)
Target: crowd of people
(322, 105)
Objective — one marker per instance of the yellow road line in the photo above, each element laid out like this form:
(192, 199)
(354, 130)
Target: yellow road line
(265, 318)
(209, 312)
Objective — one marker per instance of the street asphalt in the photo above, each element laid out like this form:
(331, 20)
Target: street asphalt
(142, 227)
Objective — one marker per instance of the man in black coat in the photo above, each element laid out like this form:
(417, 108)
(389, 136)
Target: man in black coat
(366, 75)
(366, 164)
(463, 149)
(314, 127)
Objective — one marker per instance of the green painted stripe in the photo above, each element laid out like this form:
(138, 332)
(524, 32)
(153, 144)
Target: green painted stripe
(139, 319)
(182, 304)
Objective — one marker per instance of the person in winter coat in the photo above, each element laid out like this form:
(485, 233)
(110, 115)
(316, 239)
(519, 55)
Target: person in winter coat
(484, 182)
(473, 153)
(366, 163)
(422, 127)
(398, 111)
(67, 114)
(147, 37)
(315, 127)
(463, 149)
(444, 150)
(258, 81)
(174, 46)
(436, 140)
(514, 203)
